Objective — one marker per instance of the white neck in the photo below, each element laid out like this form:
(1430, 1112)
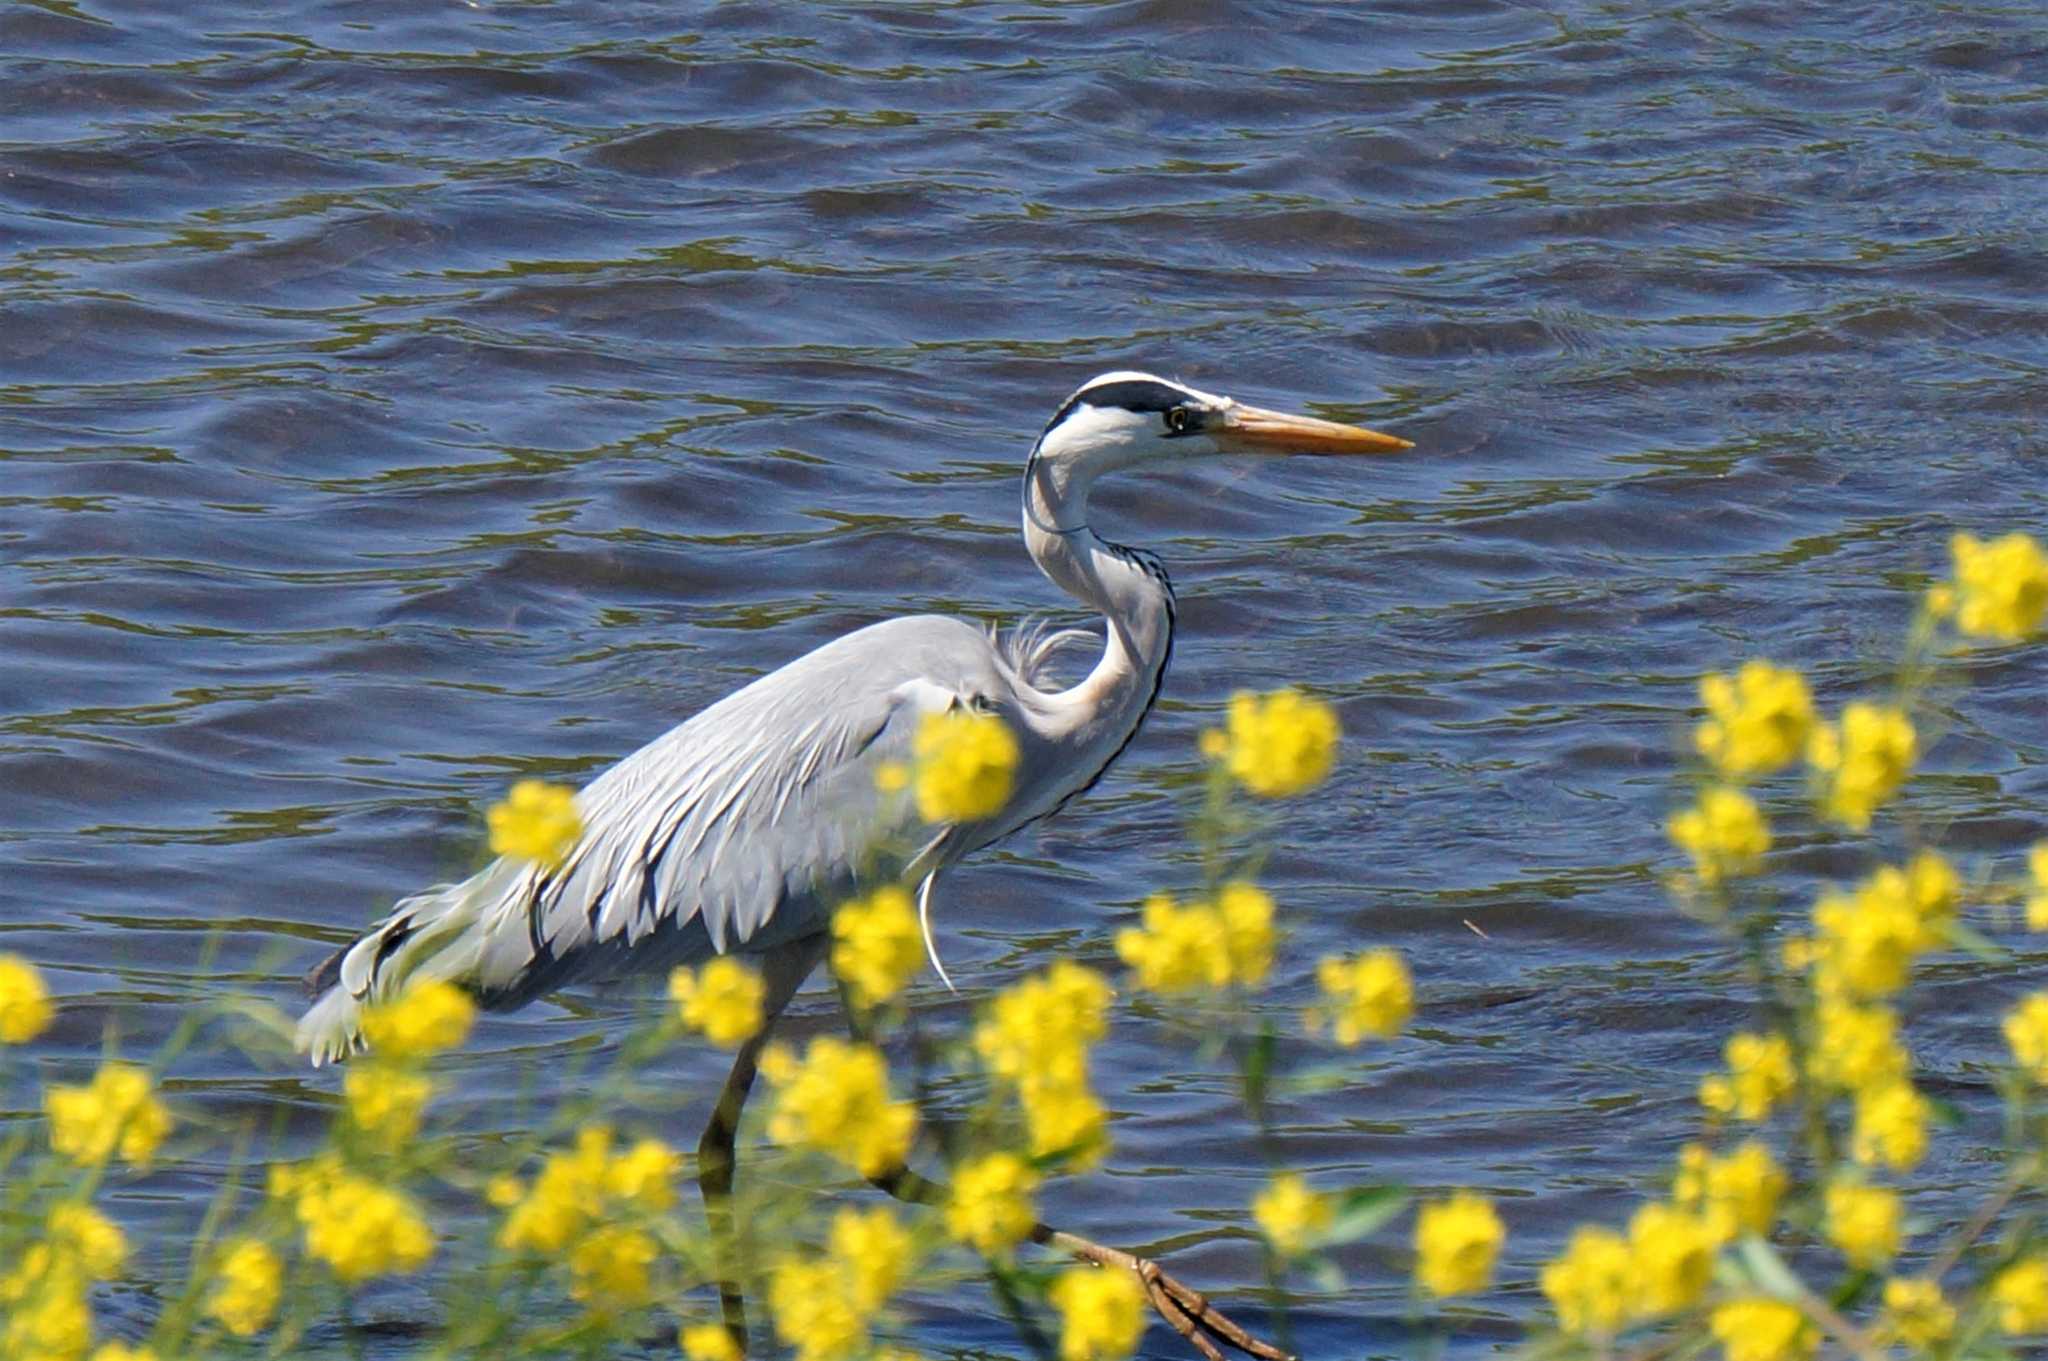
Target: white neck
(1105, 708)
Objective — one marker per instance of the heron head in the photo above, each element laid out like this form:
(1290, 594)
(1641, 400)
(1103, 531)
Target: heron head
(1126, 418)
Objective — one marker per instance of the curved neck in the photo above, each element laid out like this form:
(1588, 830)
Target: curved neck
(1135, 599)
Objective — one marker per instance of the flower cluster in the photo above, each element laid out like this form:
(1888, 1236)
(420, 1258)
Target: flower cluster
(44, 1293)
(1102, 1313)
(537, 821)
(1758, 720)
(991, 1206)
(1733, 1193)
(1724, 833)
(1034, 1040)
(1203, 945)
(592, 1205)
(1363, 994)
(1456, 1242)
(1276, 745)
(1293, 1217)
(836, 1100)
(357, 1227)
(580, 1188)
(2001, 587)
(430, 1016)
(1759, 1076)
(721, 1001)
(824, 1306)
(1862, 760)
(117, 1112)
(963, 765)
(876, 945)
(25, 1008)
(248, 1284)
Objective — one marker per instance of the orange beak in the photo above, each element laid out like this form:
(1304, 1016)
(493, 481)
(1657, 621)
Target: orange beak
(1253, 430)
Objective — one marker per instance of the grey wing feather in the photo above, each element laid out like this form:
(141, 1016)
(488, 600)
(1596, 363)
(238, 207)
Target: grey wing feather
(739, 829)
(753, 818)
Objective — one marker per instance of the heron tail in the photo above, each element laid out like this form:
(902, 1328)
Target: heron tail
(455, 932)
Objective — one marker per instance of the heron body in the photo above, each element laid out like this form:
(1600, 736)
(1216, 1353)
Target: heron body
(740, 830)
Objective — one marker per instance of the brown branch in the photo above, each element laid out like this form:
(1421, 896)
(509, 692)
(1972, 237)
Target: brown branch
(1953, 1250)
(1187, 1310)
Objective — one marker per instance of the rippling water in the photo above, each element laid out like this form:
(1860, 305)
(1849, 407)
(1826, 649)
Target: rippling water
(396, 398)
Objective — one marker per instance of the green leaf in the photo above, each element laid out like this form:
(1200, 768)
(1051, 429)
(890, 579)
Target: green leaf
(1986, 949)
(1362, 1210)
(1767, 1268)
(1258, 1066)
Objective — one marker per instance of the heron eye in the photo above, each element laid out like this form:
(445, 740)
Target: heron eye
(1178, 420)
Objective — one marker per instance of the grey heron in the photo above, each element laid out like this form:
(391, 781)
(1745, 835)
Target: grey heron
(741, 828)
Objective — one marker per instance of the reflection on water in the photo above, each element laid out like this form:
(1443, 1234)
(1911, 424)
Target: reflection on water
(398, 401)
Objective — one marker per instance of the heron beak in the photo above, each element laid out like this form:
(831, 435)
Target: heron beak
(1252, 430)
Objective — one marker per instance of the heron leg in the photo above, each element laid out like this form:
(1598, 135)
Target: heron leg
(1186, 1310)
(783, 972)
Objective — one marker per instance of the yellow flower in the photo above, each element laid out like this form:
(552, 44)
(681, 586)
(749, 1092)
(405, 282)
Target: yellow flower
(1758, 720)
(1592, 1284)
(1855, 1047)
(362, 1229)
(1759, 1076)
(1456, 1241)
(1915, 1312)
(537, 821)
(723, 1000)
(121, 1351)
(837, 1101)
(54, 1323)
(1280, 744)
(566, 1195)
(385, 1101)
(2021, 1294)
(1864, 760)
(1674, 1257)
(1035, 1038)
(2001, 586)
(876, 945)
(709, 1342)
(873, 1252)
(25, 1008)
(991, 1206)
(1101, 1313)
(1865, 945)
(644, 1175)
(1063, 1117)
(249, 1282)
(1934, 888)
(2026, 1033)
(965, 765)
(1363, 994)
(1891, 1126)
(2037, 902)
(428, 1017)
(1041, 1027)
(81, 1237)
(1246, 912)
(117, 1111)
(1179, 950)
(815, 1311)
(1762, 1330)
(1292, 1217)
(1863, 1221)
(1723, 833)
(1734, 1194)
(608, 1268)
(581, 1186)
